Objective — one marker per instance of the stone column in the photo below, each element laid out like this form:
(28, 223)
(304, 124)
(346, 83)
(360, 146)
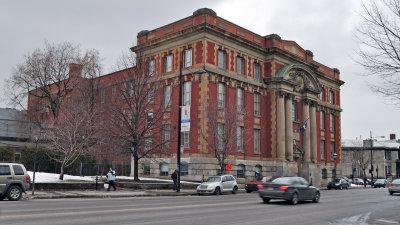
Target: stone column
(306, 132)
(289, 127)
(313, 130)
(280, 114)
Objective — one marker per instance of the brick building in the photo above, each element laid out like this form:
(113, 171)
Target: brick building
(274, 84)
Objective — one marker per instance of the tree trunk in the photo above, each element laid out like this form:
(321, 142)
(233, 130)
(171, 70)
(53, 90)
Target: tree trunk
(62, 172)
(136, 168)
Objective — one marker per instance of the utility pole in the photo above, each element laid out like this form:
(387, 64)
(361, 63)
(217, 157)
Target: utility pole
(372, 166)
(178, 154)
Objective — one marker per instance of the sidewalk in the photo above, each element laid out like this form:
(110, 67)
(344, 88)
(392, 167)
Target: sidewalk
(103, 193)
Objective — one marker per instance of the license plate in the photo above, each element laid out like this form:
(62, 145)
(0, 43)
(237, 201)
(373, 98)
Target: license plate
(270, 189)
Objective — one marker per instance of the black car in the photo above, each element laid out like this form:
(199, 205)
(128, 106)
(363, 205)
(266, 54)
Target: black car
(380, 183)
(338, 184)
(292, 189)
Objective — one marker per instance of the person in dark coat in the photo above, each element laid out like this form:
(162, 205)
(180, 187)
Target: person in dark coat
(174, 177)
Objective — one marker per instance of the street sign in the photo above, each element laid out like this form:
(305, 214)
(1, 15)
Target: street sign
(228, 167)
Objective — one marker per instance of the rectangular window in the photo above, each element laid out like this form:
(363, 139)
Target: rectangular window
(167, 97)
(5, 170)
(322, 120)
(389, 155)
(150, 96)
(131, 89)
(239, 138)
(123, 90)
(322, 95)
(166, 135)
(331, 122)
(256, 71)
(187, 89)
(239, 100)
(294, 111)
(103, 95)
(184, 169)
(185, 139)
(389, 169)
(256, 140)
(221, 135)
(239, 65)
(18, 170)
(188, 57)
(113, 93)
(146, 169)
(148, 143)
(332, 149)
(152, 67)
(221, 95)
(221, 59)
(149, 119)
(168, 63)
(257, 104)
(322, 150)
(331, 97)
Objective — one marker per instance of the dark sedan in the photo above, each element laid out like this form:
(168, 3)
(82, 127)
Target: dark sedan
(338, 184)
(292, 189)
(380, 183)
(253, 185)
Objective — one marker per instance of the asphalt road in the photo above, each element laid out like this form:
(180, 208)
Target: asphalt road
(355, 206)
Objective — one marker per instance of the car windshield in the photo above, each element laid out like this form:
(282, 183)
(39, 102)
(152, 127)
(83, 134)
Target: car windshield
(380, 181)
(282, 180)
(213, 179)
(397, 181)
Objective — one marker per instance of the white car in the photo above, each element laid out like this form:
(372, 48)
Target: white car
(218, 185)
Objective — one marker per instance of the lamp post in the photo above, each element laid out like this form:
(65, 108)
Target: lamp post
(371, 171)
(334, 158)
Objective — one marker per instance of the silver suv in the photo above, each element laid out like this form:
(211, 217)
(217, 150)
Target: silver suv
(14, 180)
(218, 184)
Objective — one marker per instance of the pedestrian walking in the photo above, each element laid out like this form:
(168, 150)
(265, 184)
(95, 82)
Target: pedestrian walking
(111, 178)
(174, 177)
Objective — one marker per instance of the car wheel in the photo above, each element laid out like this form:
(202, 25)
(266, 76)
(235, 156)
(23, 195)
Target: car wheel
(266, 200)
(217, 191)
(295, 199)
(347, 187)
(248, 191)
(391, 193)
(200, 193)
(316, 197)
(235, 189)
(14, 193)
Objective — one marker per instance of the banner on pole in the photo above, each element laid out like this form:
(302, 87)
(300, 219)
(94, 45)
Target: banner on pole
(185, 118)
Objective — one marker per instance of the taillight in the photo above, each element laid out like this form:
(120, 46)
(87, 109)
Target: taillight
(259, 186)
(27, 179)
(283, 188)
(390, 185)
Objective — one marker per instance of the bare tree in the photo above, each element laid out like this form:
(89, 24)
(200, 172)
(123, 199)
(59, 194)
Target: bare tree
(45, 76)
(379, 52)
(221, 135)
(361, 158)
(138, 114)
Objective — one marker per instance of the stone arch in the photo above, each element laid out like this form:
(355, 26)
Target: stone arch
(301, 76)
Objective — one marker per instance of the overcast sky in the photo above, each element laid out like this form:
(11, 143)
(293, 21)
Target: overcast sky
(326, 27)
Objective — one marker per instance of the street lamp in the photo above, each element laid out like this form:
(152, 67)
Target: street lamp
(371, 171)
(334, 158)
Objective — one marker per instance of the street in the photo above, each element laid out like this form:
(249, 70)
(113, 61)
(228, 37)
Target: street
(354, 206)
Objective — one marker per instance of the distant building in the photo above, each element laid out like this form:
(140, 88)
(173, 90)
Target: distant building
(357, 158)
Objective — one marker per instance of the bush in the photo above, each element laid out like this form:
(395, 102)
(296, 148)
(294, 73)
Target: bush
(6, 154)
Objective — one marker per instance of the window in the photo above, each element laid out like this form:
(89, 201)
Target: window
(240, 65)
(239, 138)
(151, 67)
(257, 104)
(322, 120)
(184, 169)
(322, 150)
(166, 135)
(185, 139)
(18, 170)
(188, 57)
(219, 171)
(389, 169)
(221, 135)
(322, 95)
(332, 149)
(122, 117)
(256, 71)
(146, 169)
(149, 119)
(221, 59)
(167, 97)
(294, 111)
(324, 173)
(123, 90)
(163, 169)
(5, 170)
(168, 63)
(258, 170)
(240, 171)
(103, 96)
(331, 122)
(131, 89)
(389, 155)
(331, 97)
(221, 95)
(113, 93)
(187, 86)
(256, 140)
(239, 100)
(150, 96)
(148, 143)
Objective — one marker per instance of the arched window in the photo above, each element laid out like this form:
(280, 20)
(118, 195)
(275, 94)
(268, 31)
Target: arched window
(240, 171)
(258, 170)
(184, 169)
(163, 169)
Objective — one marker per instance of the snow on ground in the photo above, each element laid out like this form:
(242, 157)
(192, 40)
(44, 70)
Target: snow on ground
(41, 177)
